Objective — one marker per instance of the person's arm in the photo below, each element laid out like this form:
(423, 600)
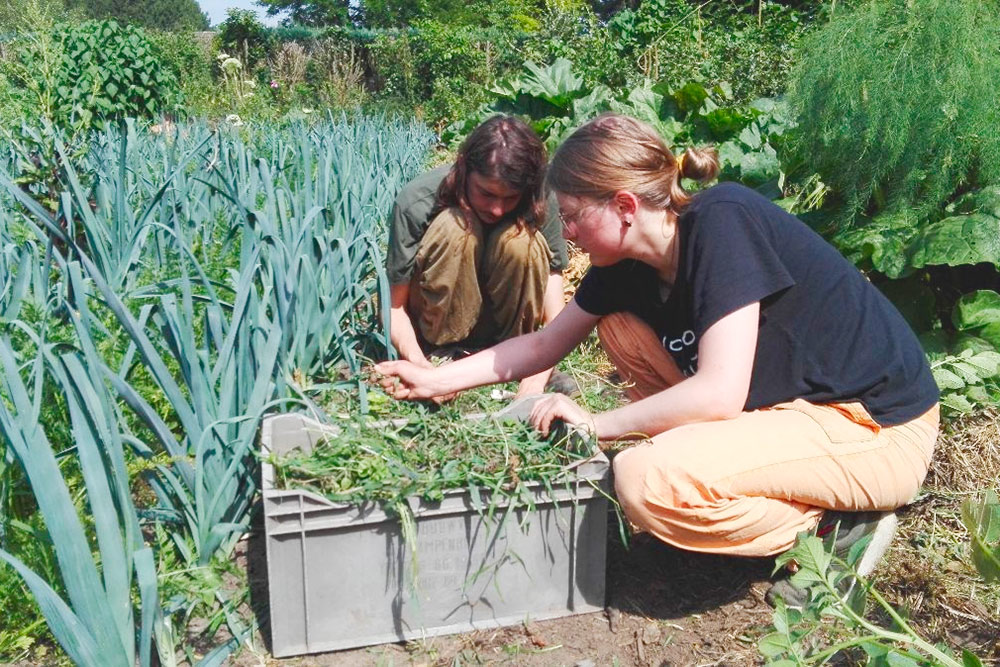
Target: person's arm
(552, 305)
(401, 331)
(717, 391)
(512, 359)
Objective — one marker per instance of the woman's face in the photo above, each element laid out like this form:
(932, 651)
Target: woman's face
(593, 226)
(490, 198)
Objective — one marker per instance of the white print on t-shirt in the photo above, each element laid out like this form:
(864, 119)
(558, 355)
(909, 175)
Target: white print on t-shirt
(678, 345)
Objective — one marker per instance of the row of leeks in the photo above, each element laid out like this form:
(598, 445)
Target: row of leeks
(185, 286)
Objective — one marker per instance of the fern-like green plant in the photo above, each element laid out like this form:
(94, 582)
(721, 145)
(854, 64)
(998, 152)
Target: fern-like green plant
(898, 101)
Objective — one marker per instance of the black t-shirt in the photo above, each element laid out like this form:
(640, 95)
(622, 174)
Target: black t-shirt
(826, 334)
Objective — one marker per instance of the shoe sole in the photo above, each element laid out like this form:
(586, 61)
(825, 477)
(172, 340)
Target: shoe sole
(885, 530)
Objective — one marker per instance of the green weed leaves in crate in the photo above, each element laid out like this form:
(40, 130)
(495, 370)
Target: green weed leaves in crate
(427, 455)
(982, 519)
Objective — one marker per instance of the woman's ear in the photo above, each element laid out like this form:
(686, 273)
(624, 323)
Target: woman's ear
(626, 203)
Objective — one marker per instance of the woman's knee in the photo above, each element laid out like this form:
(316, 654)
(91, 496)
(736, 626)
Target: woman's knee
(513, 250)
(635, 349)
(450, 230)
(648, 478)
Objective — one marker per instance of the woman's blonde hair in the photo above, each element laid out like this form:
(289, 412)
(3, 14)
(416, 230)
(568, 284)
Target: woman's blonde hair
(614, 152)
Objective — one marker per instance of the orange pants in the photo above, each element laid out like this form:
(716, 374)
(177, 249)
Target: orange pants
(748, 485)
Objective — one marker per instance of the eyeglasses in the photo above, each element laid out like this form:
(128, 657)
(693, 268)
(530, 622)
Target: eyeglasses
(573, 218)
(567, 219)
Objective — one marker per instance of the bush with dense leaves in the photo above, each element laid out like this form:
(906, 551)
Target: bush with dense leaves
(749, 44)
(104, 71)
(442, 69)
(902, 101)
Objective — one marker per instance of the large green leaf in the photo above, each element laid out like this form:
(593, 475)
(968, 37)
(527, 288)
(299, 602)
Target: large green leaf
(982, 520)
(991, 334)
(646, 104)
(958, 240)
(556, 84)
(976, 309)
(596, 101)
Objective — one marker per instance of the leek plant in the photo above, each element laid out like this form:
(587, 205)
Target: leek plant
(318, 209)
(20, 268)
(201, 279)
(97, 627)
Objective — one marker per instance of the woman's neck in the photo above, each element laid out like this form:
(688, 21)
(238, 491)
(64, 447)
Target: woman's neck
(658, 244)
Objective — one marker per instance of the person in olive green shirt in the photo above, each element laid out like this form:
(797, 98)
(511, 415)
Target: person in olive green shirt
(474, 255)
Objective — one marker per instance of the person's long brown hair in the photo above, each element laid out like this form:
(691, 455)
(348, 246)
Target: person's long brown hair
(504, 148)
(614, 152)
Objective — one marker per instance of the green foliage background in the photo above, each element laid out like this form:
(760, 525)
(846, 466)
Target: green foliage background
(155, 14)
(893, 134)
(901, 97)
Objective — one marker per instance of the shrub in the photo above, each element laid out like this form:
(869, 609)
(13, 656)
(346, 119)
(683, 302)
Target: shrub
(190, 63)
(244, 36)
(901, 102)
(749, 44)
(336, 73)
(288, 67)
(102, 71)
(446, 68)
(569, 29)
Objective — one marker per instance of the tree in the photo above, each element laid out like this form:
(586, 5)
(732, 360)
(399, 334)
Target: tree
(311, 12)
(244, 36)
(167, 15)
(16, 15)
(400, 13)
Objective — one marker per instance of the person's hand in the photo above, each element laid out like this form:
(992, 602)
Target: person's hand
(559, 406)
(405, 380)
(534, 384)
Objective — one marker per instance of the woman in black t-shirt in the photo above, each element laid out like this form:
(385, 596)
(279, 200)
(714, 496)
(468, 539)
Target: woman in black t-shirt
(774, 389)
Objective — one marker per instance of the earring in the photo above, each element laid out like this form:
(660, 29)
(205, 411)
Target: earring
(626, 222)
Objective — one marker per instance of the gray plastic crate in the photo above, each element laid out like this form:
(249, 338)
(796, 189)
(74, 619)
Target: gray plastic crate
(340, 576)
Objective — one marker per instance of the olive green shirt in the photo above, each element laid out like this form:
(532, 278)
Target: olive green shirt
(411, 215)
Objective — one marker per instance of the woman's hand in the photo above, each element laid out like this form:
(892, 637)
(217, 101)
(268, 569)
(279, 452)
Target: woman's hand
(559, 406)
(405, 380)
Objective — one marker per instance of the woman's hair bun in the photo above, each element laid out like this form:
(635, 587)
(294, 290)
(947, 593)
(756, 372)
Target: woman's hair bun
(699, 164)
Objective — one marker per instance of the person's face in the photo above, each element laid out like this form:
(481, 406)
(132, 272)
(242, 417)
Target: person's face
(593, 226)
(490, 198)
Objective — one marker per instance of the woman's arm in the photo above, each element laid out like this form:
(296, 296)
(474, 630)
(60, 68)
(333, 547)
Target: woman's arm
(717, 391)
(510, 360)
(552, 305)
